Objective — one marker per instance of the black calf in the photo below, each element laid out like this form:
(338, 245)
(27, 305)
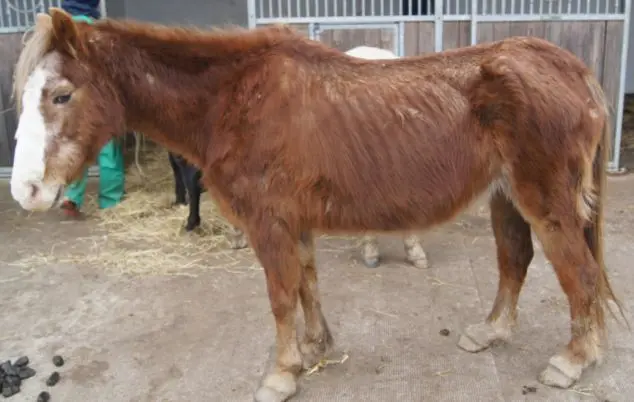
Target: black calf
(187, 177)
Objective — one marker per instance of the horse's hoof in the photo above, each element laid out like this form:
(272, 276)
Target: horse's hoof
(421, 263)
(237, 244)
(469, 345)
(192, 225)
(277, 387)
(478, 337)
(371, 263)
(560, 373)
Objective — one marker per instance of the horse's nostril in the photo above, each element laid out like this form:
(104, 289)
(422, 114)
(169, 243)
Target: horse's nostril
(34, 190)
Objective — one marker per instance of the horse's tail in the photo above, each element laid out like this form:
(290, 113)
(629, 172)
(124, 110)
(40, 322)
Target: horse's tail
(593, 231)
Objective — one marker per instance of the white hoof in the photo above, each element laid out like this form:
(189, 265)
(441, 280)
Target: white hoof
(560, 373)
(276, 387)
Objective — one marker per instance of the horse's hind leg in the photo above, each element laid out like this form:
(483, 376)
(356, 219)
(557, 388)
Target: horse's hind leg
(514, 254)
(317, 340)
(578, 272)
(370, 251)
(414, 251)
(236, 238)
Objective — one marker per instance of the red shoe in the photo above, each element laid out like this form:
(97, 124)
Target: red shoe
(70, 209)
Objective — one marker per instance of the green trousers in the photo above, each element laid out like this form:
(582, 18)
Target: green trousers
(111, 178)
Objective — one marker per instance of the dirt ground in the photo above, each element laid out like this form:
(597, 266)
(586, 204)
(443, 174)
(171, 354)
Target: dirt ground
(209, 336)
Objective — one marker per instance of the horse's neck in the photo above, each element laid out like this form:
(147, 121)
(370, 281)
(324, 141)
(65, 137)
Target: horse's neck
(169, 80)
(167, 98)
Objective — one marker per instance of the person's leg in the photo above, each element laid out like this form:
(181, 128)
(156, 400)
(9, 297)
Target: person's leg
(74, 196)
(111, 174)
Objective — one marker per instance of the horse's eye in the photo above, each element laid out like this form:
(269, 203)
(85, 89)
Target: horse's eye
(61, 99)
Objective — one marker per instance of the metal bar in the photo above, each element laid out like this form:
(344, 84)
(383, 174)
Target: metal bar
(270, 9)
(372, 5)
(438, 25)
(401, 39)
(474, 22)
(354, 7)
(616, 156)
(279, 9)
(12, 18)
(3, 11)
(252, 20)
(290, 8)
(103, 10)
(330, 26)
(448, 18)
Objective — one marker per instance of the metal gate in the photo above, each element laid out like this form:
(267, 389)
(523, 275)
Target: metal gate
(16, 18)
(595, 30)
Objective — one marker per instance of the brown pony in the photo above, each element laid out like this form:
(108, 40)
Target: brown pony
(296, 138)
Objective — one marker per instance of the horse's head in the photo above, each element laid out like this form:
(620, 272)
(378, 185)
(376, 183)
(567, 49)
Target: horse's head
(68, 111)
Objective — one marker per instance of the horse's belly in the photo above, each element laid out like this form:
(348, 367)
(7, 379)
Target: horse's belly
(426, 192)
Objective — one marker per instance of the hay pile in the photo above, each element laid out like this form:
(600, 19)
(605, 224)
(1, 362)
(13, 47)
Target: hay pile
(144, 234)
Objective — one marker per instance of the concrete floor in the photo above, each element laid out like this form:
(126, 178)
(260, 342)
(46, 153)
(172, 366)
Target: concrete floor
(210, 338)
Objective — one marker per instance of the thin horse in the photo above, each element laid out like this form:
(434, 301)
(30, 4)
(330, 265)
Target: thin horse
(411, 243)
(295, 138)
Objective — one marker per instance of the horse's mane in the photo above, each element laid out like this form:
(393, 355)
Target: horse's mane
(193, 41)
(34, 50)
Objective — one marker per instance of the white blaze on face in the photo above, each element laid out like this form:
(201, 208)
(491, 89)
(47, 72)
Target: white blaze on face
(371, 53)
(32, 136)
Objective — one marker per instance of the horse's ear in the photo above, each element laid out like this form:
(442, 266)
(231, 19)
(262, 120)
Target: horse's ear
(65, 33)
(43, 22)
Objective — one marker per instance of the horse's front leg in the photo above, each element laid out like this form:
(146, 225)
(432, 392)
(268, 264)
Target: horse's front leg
(370, 251)
(317, 341)
(414, 251)
(278, 252)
